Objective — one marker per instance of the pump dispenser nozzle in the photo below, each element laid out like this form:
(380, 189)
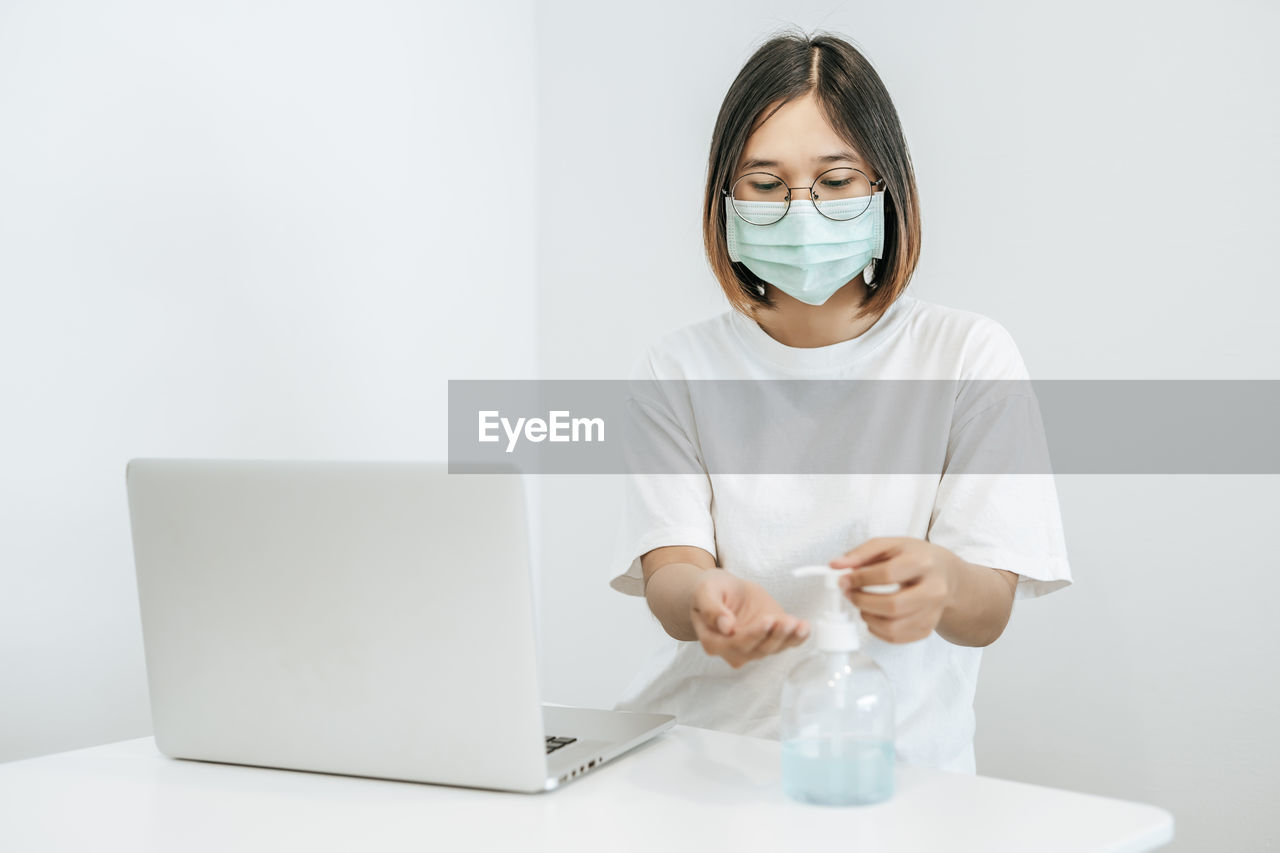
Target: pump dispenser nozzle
(836, 630)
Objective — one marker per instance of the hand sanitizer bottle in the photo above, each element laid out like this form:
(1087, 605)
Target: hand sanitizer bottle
(837, 711)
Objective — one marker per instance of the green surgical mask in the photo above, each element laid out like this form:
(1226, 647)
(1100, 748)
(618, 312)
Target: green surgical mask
(806, 254)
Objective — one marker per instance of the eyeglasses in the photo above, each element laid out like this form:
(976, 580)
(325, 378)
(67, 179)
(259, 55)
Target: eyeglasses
(840, 194)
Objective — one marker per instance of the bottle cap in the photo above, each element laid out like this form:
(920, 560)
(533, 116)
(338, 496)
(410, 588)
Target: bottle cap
(835, 629)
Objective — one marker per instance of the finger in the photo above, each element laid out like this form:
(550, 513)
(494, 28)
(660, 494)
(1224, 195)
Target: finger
(895, 605)
(901, 569)
(801, 633)
(706, 636)
(924, 593)
(769, 644)
(796, 636)
(718, 645)
(716, 616)
(877, 626)
(906, 630)
(757, 635)
(780, 638)
(710, 605)
(871, 551)
(726, 648)
(713, 641)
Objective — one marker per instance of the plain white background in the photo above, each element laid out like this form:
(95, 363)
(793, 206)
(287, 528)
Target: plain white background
(276, 230)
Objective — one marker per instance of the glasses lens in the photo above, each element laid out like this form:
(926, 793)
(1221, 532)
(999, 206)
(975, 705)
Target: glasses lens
(842, 193)
(760, 198)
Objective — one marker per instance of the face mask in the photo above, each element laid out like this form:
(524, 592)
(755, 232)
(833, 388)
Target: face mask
(805, 254)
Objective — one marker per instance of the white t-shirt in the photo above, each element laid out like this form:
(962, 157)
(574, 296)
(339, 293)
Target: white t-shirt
(759, 526)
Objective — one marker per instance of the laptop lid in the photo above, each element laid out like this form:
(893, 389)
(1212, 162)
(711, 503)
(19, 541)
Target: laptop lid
(366, 618)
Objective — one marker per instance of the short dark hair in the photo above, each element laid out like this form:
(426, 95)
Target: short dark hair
(857, 106)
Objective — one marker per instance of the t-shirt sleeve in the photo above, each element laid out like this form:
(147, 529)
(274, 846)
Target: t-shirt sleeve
(997, 502)
(659, 509)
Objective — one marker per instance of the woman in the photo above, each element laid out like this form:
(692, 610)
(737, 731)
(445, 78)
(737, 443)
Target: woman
(812, 227)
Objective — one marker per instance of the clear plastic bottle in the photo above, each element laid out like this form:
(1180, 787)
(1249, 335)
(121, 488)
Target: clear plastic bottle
(837, 712)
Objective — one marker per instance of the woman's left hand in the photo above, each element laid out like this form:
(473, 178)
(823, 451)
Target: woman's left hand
(927, 573)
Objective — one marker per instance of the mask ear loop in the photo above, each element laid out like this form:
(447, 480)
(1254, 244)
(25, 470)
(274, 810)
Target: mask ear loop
(730, 211)
(869, 274)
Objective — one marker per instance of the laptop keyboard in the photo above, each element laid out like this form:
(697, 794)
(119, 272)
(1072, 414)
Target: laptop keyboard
(554, 743)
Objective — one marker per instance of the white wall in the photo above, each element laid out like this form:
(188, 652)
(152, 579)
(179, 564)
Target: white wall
(229, 229)
(1100, 179)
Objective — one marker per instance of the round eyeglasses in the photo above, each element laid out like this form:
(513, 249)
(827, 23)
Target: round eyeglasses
(841, 194)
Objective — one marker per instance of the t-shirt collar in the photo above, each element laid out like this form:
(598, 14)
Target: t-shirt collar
(817, 359)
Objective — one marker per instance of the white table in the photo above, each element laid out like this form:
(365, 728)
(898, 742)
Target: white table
(691, 789)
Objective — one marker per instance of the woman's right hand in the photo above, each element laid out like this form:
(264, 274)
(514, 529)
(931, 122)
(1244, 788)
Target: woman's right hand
(738, 621)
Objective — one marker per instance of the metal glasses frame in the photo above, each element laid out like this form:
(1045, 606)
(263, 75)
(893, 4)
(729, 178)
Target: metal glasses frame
(878, 184)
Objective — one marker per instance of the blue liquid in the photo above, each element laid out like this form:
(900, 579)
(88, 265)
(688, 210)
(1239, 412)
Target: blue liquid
(838, 771)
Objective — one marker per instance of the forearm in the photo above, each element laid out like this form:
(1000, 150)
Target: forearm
(981, 602)
(669, 592)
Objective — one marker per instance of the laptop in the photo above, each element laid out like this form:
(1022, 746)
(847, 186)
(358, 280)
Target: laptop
(361, 618)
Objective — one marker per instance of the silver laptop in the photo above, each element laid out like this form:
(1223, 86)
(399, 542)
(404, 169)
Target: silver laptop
(363, 618)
